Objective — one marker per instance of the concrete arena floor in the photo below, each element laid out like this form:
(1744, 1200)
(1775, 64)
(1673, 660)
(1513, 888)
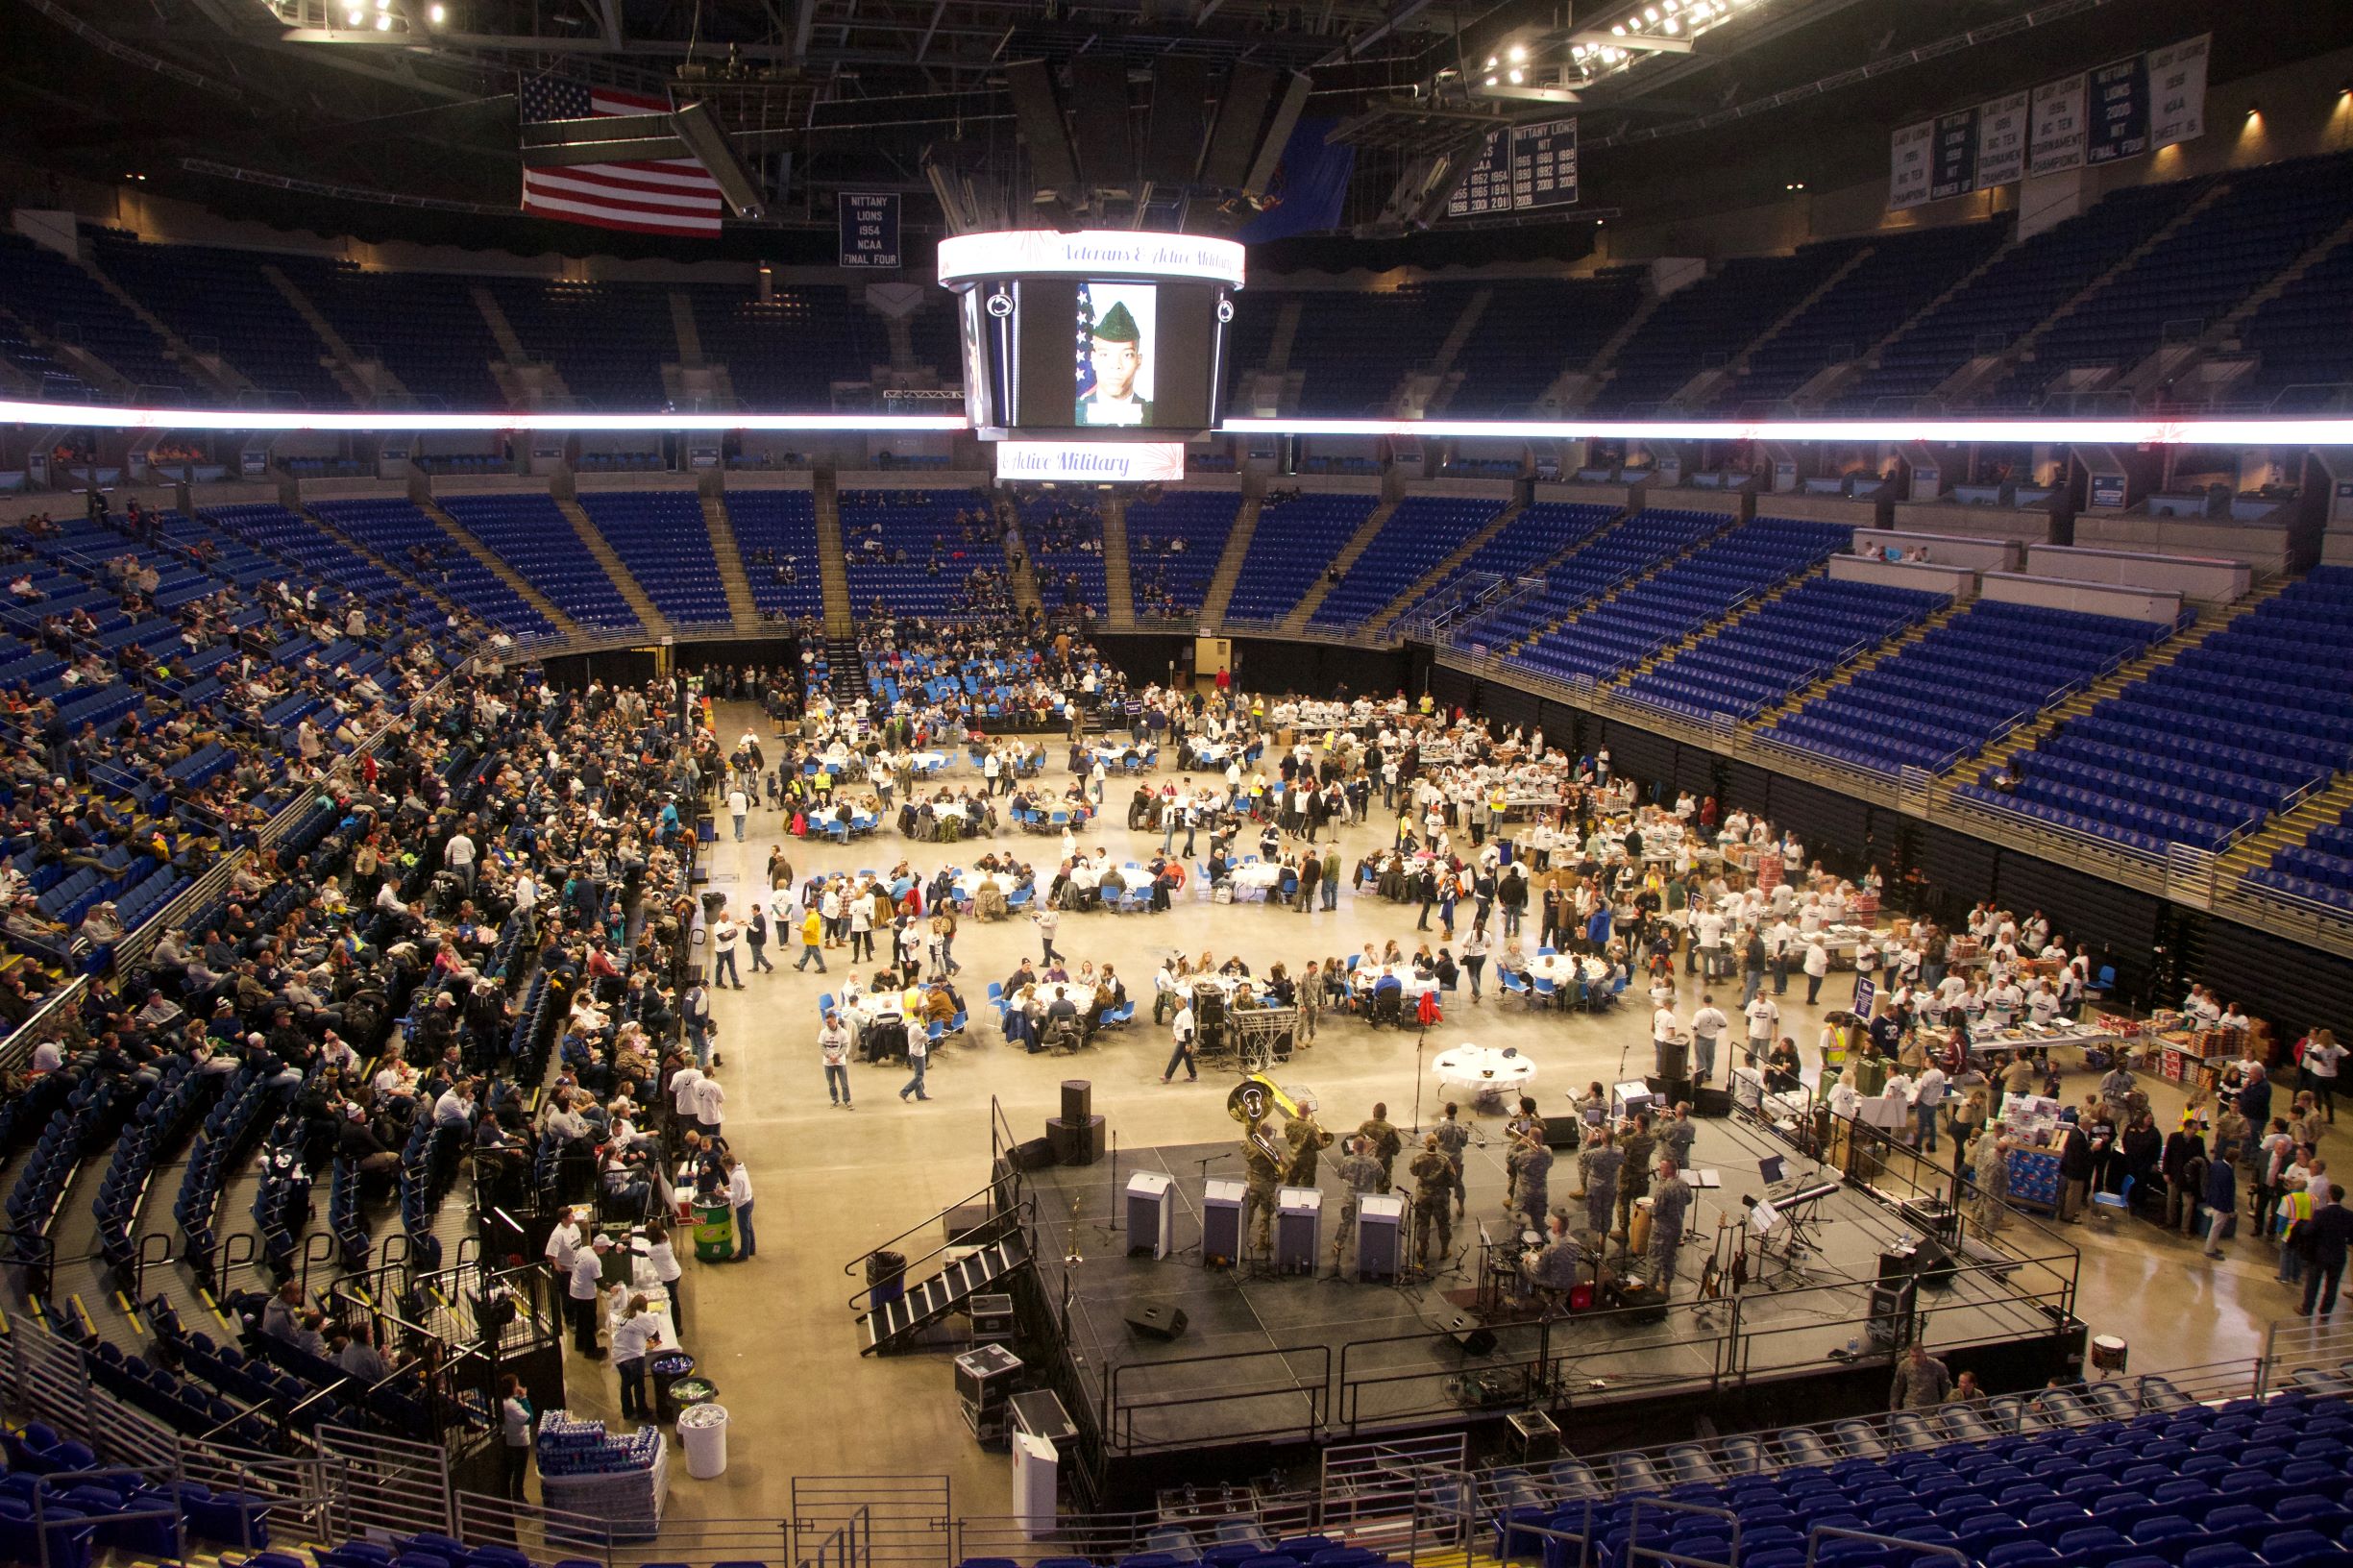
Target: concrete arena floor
(776, 1333)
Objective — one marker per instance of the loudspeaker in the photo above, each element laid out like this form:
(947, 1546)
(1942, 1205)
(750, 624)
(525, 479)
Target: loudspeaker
(1666, 1093)
(1075, 1143)
(1158, 1322)
(1898, 1264)
(1098, 101)
(1469, 1338)
(1643, 1303)
(1673, 1060)
(1172, 145)
(1706, 1100)
(1235, 138)
(1933, 1265)
(1037, 114)
(1038, 1154)
(1078, 1099)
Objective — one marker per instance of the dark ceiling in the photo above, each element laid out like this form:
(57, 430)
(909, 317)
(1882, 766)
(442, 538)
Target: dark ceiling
(412, 133)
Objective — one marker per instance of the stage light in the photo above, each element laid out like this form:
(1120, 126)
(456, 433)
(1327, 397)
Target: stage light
(1618, 31)
(439, 15)
(1519, 53)
(1490, 80)
(2254, 111)
(1672, 25)
(1650, 13)
(1518, 77)
(383, 21)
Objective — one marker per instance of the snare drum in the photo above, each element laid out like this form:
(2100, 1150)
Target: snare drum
(2108, 1353)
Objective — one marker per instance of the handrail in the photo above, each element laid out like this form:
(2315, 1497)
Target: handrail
(1020, 1215)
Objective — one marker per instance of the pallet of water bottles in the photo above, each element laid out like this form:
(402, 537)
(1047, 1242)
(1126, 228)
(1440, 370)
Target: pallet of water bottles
(618, 1478)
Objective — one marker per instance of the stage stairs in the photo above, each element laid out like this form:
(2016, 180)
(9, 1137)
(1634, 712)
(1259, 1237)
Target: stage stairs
(895, 1324)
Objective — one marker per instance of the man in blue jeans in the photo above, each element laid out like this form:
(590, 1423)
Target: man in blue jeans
(919, 1052)
(2331, 1227)
(739, 1198)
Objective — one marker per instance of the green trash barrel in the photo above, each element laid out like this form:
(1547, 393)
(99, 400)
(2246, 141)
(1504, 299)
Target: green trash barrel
(714, 1232)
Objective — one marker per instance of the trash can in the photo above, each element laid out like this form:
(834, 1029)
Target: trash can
(666, 1369)
(886, 1278)
(714, 1232)
(688, 1392)
(703, 1429)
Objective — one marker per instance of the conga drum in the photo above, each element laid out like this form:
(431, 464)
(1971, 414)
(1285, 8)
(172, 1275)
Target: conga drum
(1638, 1229)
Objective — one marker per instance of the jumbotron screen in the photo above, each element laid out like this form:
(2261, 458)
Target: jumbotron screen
(1111, 335)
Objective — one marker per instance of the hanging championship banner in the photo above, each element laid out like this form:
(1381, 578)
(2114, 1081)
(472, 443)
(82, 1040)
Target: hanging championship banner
(1907, 165)
(2054, 137)
(2177, 88)
(1954, 169)
(2116, 126)
(2001, 140)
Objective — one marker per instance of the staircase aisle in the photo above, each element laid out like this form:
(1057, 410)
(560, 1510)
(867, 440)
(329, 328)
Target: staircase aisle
(832, 565)
(1118, 583)
(1220, 591)
(1296, 621)
(1845, 672)
(741, 607)
(1439, 573)
(595, 543)
(507, 573)
(2289, 828)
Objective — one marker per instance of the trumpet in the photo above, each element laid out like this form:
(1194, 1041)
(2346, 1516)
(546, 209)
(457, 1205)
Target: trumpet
(1254, 1102)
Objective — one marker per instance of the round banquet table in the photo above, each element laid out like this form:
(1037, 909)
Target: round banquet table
(1484, 1068)
(1567, 968)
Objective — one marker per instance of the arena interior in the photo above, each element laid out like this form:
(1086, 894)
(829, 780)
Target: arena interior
(1392, 783)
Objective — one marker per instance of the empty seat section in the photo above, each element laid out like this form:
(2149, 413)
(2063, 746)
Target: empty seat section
(533, 537)
(1707, 323)
(45, 291)
(211, 295)
(661, 537)
(607, 340)
(1521, 545)
(1981, 673)
(1531, 331)
(1760, 659)
(783, 354)
(1420, 533)
(1352, 346)
(1295, 544)
(1620, 632)
(776, 531)
(1624, 551)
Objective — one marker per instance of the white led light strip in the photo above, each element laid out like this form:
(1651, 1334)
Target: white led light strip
(2132, 432)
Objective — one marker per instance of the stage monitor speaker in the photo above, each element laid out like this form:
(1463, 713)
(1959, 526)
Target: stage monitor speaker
(1233, 140)
(1933, 1265)
(1469, 1338)
(1075, 1143)
(1172, 145)
(1158, 1322)
(1151, 1213)
(1038, 1154)
(1709, 1101)
(1642, 1303)
(1078, 1099)
(1380, 1237)
(1666, 1093)
(1222, 1222)
(1098, 101)
(1563, 1132)
(1037, 114)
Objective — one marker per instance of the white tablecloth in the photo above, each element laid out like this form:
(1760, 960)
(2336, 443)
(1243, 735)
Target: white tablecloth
(1484, 1066)
(1264, 874)
(1562, 969)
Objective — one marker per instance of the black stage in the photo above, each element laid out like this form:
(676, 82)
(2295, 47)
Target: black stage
(1267, 1360)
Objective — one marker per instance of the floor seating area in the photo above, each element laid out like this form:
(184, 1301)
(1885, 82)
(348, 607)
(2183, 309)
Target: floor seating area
(2019, 289)
(1419, 534)
(1620, 631)
(607, 340)
(533, 537)
(1167, 581)
(1709, 322)
(1903, 273)
(1757, 661)
(661, 537)
(1295, 544)
(2204, 747)
(776, 531)
(1968, 681)
(1624, 551)
(397, 530)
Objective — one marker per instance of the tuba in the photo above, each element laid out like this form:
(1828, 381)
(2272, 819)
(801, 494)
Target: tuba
(1254, 1102)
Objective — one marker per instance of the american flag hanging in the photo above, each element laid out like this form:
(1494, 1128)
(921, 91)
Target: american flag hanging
(1086, 341)
(664, 196)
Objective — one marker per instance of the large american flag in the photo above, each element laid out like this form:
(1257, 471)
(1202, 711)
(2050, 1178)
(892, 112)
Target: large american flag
(665, 196)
